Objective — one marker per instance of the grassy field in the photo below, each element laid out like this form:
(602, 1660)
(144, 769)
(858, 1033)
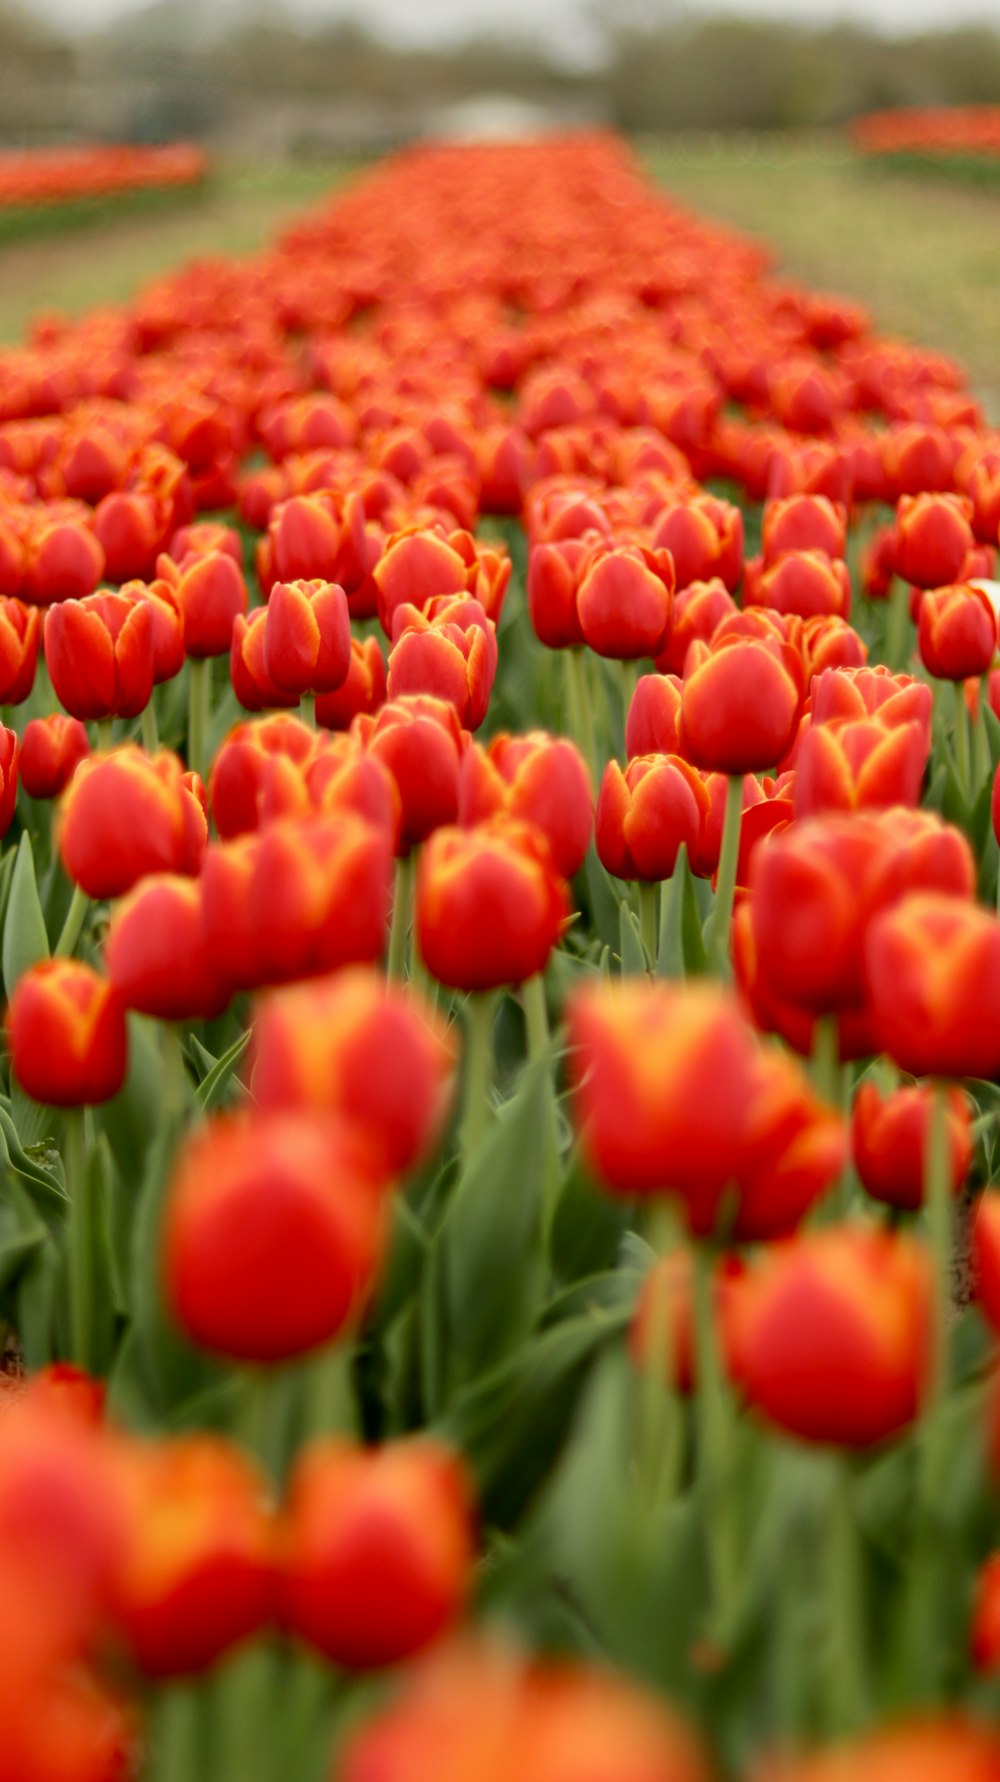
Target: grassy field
(924, 255)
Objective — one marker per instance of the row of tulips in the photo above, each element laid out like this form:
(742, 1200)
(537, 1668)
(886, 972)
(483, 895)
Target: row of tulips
(30, 178)
(496, 1230)
(965, 131)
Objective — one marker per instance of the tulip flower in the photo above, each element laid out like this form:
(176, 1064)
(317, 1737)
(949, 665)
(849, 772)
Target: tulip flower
(647, 814)
(848, 1374)
(65, 562)
(448, 651)
(421, 742)
(210, 592)
(9, 758)
(19, 635)
(364, 690)
(808, 583)
(740, 705)
(933, 971)
(705, 539)
(862, 765)
(652, 723)
(933, 535)
(273, 1235)
(957, 632)
(99, 654)
(535, 777)
(490, 905)
(66, 1026)
(124, 815)
(155, 953)
(624, 602)
(193, 1576)
(297, 899)
(307, 637)
(796, 523)
(985, 1236)
(252, 684)
(669, 1288)
(554, 573)
(375, 1549)
(476, 1712)
(373, 1054)
(259, 773)
(890, 1137)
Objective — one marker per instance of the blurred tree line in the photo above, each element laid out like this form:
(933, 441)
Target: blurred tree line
(179, 68)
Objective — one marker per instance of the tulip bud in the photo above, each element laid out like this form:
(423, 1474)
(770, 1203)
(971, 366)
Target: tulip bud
(376, 1549)
(698, 609)
(803, 523)
(273, 1235)
(861, 1351)
(450, 652)
(554, 573)
(490, 905)
(168, 626)
(68, 1042)
(807, 583)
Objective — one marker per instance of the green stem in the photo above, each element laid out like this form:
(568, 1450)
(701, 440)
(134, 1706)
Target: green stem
(725, 885)
(661, 1414)
(937, 1205)
(962, 760)
(400, 926)
(536, 1016)
(825, 1062)
(713, 1422)
(150, 730)
(897, 639)
(576, 675)
(83, 1216)
(177, 1734)
(980, 739)
(105, 733)
(476, 1109)
(649, 921)
(307, 709)
(199, 707)
(848, 1667)
(331, 1403)
(670, 942)
(75, 917)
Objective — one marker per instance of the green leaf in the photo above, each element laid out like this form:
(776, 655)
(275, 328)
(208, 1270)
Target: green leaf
(46, 1189)
(25, 940)
(512, 1422)
(22, 1234)
(131, 1118)
(213, 1089)
(630, 947)
(483, 1283)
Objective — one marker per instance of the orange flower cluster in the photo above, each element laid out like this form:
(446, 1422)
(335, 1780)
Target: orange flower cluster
(60, 176)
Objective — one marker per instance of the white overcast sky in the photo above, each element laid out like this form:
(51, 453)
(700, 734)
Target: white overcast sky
(437, 20)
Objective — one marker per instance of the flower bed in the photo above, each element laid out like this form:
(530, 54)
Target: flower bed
(498, 917)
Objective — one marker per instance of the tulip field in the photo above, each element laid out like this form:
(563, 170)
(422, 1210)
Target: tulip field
(499, 1266)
